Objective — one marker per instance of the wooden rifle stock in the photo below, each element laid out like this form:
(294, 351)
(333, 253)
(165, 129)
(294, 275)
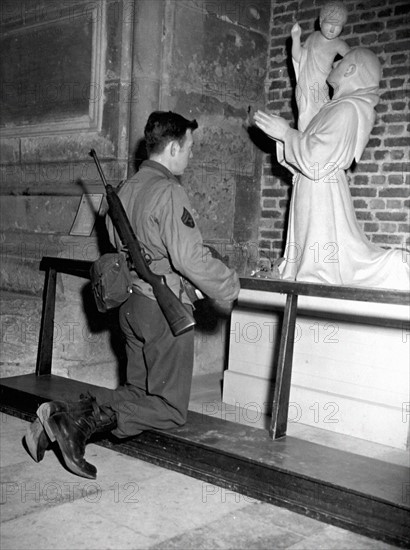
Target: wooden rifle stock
(179, 318)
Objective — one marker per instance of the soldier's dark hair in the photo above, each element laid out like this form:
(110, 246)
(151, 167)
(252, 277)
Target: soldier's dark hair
(163, 127)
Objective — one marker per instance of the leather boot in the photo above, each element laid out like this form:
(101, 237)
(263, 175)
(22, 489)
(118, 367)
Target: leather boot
(73, 430)
(36, 439)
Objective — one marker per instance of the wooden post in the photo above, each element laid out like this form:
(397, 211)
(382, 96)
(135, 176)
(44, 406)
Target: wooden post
(45, 344)
(280, 405)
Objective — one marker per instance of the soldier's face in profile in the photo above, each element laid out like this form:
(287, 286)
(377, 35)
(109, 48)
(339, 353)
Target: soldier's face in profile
(184, 153)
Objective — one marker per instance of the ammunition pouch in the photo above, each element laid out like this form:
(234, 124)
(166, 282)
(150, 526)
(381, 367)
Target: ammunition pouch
(111, 281)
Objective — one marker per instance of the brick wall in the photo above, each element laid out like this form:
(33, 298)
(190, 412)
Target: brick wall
(379, 183)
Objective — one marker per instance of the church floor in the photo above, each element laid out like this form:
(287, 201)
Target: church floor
(137, 505)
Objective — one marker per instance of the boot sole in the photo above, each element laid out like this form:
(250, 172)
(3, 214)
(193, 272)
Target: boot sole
(53, 432)
(43, 413)
(32, 439)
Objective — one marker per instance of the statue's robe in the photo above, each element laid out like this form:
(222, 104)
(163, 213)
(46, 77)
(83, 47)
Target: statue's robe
(325, 243)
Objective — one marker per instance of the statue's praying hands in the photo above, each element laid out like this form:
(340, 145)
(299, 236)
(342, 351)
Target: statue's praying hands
(274, 126)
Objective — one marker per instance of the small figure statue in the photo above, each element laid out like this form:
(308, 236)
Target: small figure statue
(313, 61)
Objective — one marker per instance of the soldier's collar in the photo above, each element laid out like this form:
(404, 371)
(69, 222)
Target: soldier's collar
(160, 167)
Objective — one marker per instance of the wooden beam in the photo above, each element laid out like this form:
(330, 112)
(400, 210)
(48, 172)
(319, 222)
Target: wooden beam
(363, 294)
(45, 343)
(283, 377)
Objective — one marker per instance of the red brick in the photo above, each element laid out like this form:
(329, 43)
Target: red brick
(367, 155)
(396, 130)
(375, 26)
(394, 204)
(379, 204)
(273, 192)
(271, 234)
(378, 180)
(380, 155)
(397, 142)
(278, 245)
(403, 33)
(397, 154)
(393, 94)
(398, 106)
(378, 130)
(394, 167)
(279, 50)
(270, 214)
(386, 239)
(374, 142)
(367, 167)
(402, 9)
(275, 106)
(370, 5)
(360, 203)
(395, 179)
(388, 227)
(361, 215)
(361, 179)
(369, 39)
(371, 227)
(395, 71)
(363, 191)
(393, 118)
(394, 192)
(275, 74)
(274, 95)
(384, 13)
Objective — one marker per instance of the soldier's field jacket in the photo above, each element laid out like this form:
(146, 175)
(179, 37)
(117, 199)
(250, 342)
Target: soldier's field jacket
(159, 211)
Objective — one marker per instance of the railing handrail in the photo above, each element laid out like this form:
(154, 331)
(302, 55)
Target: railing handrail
(81, 268)
(362, 294)
(339, 292)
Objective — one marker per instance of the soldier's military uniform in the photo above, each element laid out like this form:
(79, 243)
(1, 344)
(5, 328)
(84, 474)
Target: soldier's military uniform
(159, 365)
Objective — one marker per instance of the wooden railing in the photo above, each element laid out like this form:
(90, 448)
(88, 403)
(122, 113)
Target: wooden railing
(52, 266)
(292, 290)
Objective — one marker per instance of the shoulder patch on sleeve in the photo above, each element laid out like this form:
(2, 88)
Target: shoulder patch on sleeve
(187, 218)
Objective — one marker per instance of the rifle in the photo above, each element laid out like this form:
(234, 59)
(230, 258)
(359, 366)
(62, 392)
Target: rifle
(177, 315)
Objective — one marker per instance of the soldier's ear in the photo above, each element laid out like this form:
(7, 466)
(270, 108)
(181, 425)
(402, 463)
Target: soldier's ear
(174, 147)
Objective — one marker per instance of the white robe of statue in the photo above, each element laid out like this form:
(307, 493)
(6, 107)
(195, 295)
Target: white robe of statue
(325, 243)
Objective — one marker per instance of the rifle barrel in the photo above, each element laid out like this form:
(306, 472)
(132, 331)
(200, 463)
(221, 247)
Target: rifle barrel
(97, 163)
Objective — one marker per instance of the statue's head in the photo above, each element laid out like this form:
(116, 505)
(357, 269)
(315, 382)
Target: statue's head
(333, 17)
(369, 69)
(360, 68)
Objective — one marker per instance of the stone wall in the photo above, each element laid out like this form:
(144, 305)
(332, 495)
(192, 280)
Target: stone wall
(380, 181)
(80, 74)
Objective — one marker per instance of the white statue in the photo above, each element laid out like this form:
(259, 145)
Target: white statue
(325, 243)
(313, 60)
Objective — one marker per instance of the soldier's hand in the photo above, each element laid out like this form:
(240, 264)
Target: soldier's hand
(223, 307)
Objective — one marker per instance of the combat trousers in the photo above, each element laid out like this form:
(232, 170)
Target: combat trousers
(159, 371)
